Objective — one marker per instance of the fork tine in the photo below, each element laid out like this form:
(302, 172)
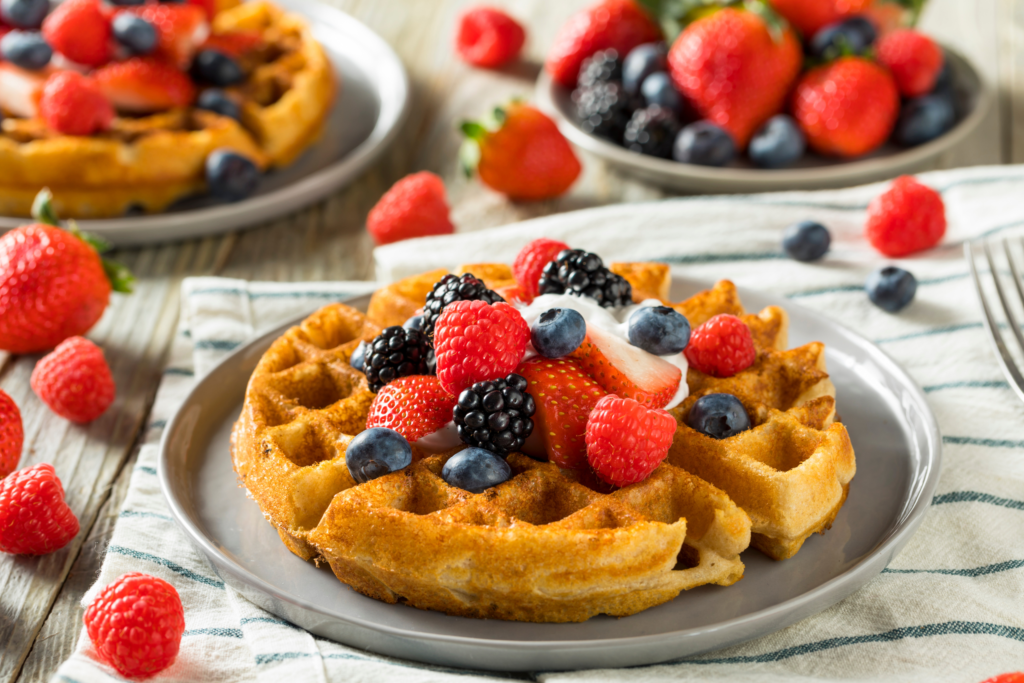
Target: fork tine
(1011, 318)
(1006, 361)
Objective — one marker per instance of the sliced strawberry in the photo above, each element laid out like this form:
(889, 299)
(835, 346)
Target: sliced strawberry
(564, 395)
(20, 90)
(414, 406)
(181, 29)
(623, 369)
(234, 43)
(514, 294)
(143, 84)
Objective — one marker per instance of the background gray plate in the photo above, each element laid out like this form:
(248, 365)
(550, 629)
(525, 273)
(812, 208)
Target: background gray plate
(973, 98)
(894, 434)
(367, 113)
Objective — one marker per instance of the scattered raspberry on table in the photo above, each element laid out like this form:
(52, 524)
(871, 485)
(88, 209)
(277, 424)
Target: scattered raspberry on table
(907, 218)
(721, 347)
(12, 434)
(488, 37)
(415, 206)
(75, 380)
(136, 623)
(34, 519)
(626, 441)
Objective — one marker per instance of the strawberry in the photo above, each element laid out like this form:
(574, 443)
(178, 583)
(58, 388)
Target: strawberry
(626, 441)
(73, 104)
(530, 262)
(488, 37)
(209, 7)
(414, 406)
(564, 396)
(415, 206)
(886, 16)
(1016, 677)
(810, 16)
(143, 84)
(53, 283)
(623, 369)
(12, 434)
(846, 108)
(80, 30)
(914, 60)
(520, 153)
(735, 70)
(180, 30)
(233, 43)
(618, 25)
(20, 90)
(907, 218)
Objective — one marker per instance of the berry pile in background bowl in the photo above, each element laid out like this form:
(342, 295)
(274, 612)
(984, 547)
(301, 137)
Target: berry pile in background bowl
(762, 95)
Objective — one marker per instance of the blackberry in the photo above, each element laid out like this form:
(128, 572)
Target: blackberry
(604, 109)
(449, 289)
(581, 273)
(652, 131)
(396, 352)
(600, 67)
(495, 415)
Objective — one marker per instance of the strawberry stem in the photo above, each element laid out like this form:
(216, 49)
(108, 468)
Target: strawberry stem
(42, 208)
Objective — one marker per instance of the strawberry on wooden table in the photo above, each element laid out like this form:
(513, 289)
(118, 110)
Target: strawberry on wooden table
(520, 152)
(34, 518)
(144, 84)
(12, 434)
(735, 68)
(74, 380)
(415, 206)
(626, 370)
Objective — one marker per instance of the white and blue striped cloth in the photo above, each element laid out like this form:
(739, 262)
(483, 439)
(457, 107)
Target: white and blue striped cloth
(949, 608)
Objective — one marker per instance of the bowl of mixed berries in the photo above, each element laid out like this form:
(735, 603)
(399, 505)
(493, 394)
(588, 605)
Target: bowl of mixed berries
(714, 96)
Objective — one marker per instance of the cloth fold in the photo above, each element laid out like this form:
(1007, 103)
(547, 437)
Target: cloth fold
(950, 607)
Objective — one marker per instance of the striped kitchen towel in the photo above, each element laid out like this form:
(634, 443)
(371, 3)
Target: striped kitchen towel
(950, 607)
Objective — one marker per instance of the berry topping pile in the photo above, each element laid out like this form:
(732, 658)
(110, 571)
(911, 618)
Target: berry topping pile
(448, 290)
(581, 273)
(721, 347)
(397, 352)
(495, 415)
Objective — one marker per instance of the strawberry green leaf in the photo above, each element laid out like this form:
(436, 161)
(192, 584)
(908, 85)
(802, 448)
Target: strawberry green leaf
(776, 24)
(101, 245)
(42, 208)
(121, 279)
(915, 7)
(469, 156)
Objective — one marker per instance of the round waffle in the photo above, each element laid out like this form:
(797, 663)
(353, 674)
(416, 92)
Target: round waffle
(146, 163)
(542, 546)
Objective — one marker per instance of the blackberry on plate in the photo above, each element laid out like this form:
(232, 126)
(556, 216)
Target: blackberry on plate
(581, 273)
(652, 131)
(449, 289)
(475, 470)
(495, 415)
(600, 67)
(718, 416)
(396, 352)
(603, 109)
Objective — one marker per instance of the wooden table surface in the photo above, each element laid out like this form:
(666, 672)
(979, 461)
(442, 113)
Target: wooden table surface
(40, 616)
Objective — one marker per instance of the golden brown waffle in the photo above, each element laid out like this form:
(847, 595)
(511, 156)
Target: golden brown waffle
(147, 163)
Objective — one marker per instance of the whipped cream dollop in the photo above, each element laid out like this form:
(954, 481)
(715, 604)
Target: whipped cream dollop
(444, 439)
(614, 321)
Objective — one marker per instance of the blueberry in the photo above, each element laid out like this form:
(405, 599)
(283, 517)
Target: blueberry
(891, 288)
(358, 356)
(376, 452)
(658, 329)
(475, 470)
(924, 118)
(806, 241)
(778, 143)
(24, 13)
(704, 143)
(135, 33)
(718, 416)
(558, 332)
(217, 68)
(231, 176)
(854, 35)
(944, 81)
(217, 101)
(659, 89)
(414, 323)
(641, 62)
(26, 49)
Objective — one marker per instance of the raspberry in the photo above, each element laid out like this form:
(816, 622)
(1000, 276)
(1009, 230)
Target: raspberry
(626, 441)
(1016, 677)
(34, 519)
(135, 624)
(74, 380)
(721, 347)
(488, 37)
(80, 30)
(413, 406)
(913, 58)
(12, 434)
(906, 218)
(74, 105)
(530, 262)
(477, 341)
(415, 206)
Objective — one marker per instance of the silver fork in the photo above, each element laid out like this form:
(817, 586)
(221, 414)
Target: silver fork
(1003, 355)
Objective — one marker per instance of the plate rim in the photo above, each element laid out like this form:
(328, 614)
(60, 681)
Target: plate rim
(701, 177)
(391, 87)
(903, 526)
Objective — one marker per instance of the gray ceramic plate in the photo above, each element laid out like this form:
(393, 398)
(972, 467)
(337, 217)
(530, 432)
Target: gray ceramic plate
(898, 450)
(973, 99)
(370, 107)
